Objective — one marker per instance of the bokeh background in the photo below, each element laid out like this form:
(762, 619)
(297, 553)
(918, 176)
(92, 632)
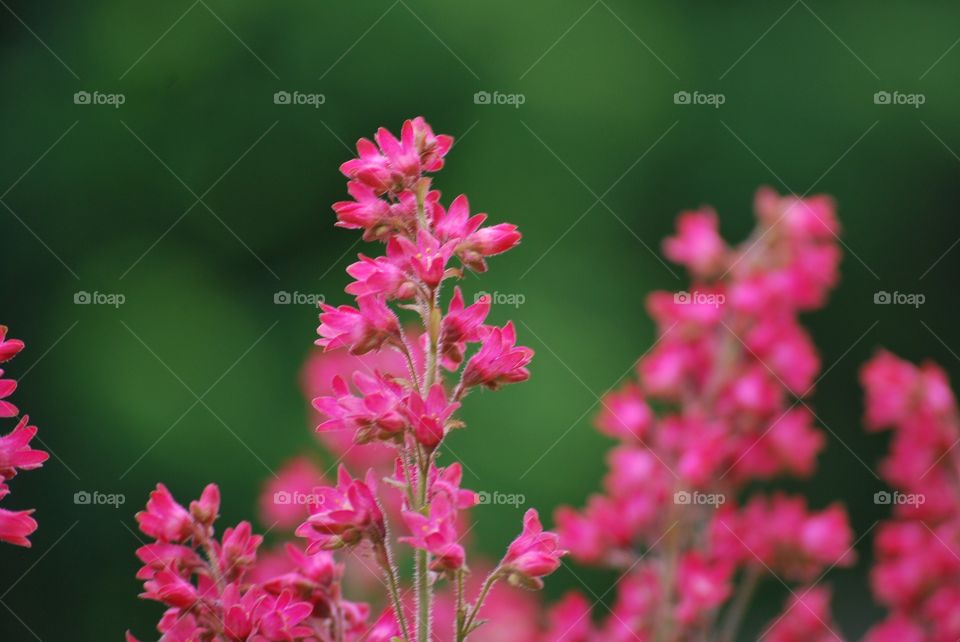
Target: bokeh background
(199, 198)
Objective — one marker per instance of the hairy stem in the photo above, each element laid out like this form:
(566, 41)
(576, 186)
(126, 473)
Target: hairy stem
(461, 615)
(487, 585)
(422, 561)
(385, 557)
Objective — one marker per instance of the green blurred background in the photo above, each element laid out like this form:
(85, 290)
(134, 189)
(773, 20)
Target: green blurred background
(593, 167)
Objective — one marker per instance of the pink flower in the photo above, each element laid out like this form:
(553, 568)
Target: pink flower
(808, 217)
(397, 164)
(897, 628)
(373, 170)
(206, 510)
(791, 444)
(360, 330)
(582, 535)
(431, 147)
(473, 242)
(447, 481)
(437, 534)
(367, 212)
(625, 414)
(16, 526)
(379, 276)
(430, 418)
(385, 629)
(426, 259)
(785, 537)
(7, 388)
(461, 325)
(171, 589)
(238, 550)
(9, 348)
(378, 414)
(697, 244)
(165, 519)
(158, 556)
(703, 585)
(891, 388)
(15, 450)
(806, 619)
(535, 553)
(317, 377)
(279, 618)
(344, 515)
(499, 360)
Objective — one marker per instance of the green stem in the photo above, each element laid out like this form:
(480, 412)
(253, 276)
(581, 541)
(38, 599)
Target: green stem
(422, 561)
(461, 615)
(487, 585)
(393, 584)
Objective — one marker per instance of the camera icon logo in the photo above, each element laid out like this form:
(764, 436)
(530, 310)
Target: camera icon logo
(681, 497)
(282, 297)
(681, 298)
(882, 298)
(282, 498)
(882, 497)
(281, 98)
(681, 98)
(81, 98)
(82, 297)
(82, 497)
(483, 497)
(482, 98)
(882, 98)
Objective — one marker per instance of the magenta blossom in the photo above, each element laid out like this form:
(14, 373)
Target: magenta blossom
(499, 360)
(360, 329)
(16, 526)
(165, 519)
(533, 554)
(460, 325)
(343, 516)
(437, 534)
(15, 450)
(473, 242)
(430, 418)
(376, 415)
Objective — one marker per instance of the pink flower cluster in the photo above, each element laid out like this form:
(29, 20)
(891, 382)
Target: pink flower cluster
(917, 569)
(215, 589)
(15, 452)
(413, 411)
(719, 403)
